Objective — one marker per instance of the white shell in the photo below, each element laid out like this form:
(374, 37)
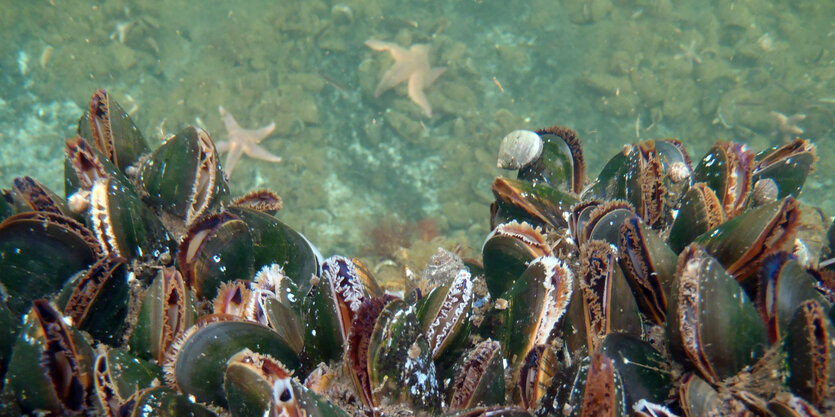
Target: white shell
(518, 149)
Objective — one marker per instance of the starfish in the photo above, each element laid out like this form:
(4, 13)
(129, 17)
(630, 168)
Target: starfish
(787, 125)
(243, 141)
(689, 54)
(412, 65)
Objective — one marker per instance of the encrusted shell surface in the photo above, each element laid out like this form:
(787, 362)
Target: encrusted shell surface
(518, 149)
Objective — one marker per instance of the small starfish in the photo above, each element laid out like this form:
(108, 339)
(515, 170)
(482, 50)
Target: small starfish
(121, 31)
(689, 54)
(243, 141)
(412, 65)
(787, 125)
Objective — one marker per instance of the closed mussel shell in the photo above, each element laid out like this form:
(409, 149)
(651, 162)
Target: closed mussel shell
(604, 222)
(787, 165)
(648, 264)
(507, 251)
(643, 369)
(809, 347)
(598, 389)
(51, 365)
(711, 321)
(38, 252)
(123, 225)
(183, 176)
(536, 305)
(785, 404)
(6, 209)
(166, 311)
(538, 204)
(197, 362)
(783, 285)
(163, 401)
(699, 212)
(479, 378)
(610, 183)
(112, 131)
(217, 249)
(495, 411)
(9, 327)
(274, 242)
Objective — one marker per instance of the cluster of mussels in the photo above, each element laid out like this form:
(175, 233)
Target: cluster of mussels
(657, 289)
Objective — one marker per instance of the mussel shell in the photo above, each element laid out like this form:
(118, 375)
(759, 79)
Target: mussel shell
(538, 204)
(198, 363)
(163, 401)
(6, 208)
(536, 305)
(117, 375)
(598, 389)
(218, 248)
(444, 316)
(710, 319)
(112, 131)
(785, 404)
(274, 242)
(699, 212)
(726, 169)
(51, 364)
(183, 176)
(507, 251)
(28, 194)
(648, 264)
(783, 285)
(561, 163)
(788, 166)
(809, 347)
(604, 222)
(536, 376)
(98, 300)
(644, 370)
(166, 311)
(39, 252)
(479, 378)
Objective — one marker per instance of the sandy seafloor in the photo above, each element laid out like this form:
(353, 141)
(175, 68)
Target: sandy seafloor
(615, 71)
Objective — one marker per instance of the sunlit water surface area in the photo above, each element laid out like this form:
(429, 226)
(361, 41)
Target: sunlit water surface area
(371, 174)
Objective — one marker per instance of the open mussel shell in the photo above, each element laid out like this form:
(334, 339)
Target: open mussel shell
(648, 264)
(742, 243)
(51, 364)
(183, 177)
(117, 375)
(123, 225)
(538, 204)
(711, 321)
(560, 162)
(27, 194)
(603, 222)
(217, 249)
(783, 285)
(332, 305)
(699, 212)
(598, 389)
(444, 316)
(197, 362)
(494, 411)
(608, 304)
(389, 359)
(698, 398)
(811, 361)
(787, 165)
(166, 311)
(479, 378)
(25, 272)
(785, 404)
(274, 242)
(112, 131)
(645, 372)
(507, 251)
(726, 169)
(163, 401)
(536, 377)
(257, 385)
(98, 300)
(536, 305)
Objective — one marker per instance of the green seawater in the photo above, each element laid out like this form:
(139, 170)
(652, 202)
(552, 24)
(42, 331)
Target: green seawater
(615, 71)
